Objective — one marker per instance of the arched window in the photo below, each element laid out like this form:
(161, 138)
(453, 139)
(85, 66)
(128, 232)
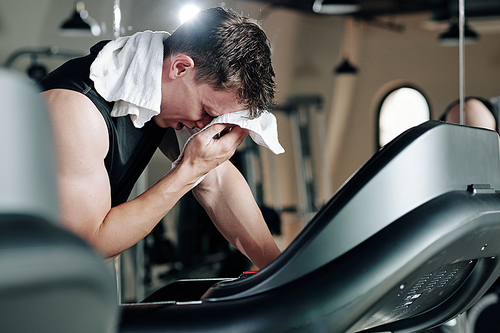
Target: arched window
(400, 109)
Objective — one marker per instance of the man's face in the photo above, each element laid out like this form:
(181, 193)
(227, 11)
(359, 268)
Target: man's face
(195, 105)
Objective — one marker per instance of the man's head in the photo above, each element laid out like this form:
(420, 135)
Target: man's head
(230, 52)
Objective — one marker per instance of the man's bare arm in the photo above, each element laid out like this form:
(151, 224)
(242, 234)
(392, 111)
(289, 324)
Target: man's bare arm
(82, 143)
(228, 200)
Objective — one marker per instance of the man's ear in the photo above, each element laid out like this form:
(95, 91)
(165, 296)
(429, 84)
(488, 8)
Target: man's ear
(180, 66)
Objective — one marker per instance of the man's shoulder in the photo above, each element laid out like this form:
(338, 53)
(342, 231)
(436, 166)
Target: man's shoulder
(70, 103)
(76, 119)
(74, 73)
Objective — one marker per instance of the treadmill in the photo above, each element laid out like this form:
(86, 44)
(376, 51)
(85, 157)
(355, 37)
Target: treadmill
(410, 241)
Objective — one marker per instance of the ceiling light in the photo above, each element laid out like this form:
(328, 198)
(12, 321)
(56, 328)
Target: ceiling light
(346, 67)
(188, 12)
(338, 7)
(452, 35)
(80, 23)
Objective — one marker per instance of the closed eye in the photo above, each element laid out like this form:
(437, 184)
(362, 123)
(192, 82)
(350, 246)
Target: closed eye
(208, 112)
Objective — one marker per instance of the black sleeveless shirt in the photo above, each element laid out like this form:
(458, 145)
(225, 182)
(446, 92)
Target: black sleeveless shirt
(130, 148)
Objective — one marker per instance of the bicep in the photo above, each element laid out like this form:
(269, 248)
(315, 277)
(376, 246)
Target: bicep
(82, 143)
(85, 200)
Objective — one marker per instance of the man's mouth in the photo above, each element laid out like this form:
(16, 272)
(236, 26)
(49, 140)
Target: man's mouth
(179, 126)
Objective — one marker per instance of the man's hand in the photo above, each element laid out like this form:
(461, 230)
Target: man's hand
(207, 150)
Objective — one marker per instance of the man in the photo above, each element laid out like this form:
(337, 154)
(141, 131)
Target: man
(217, 63)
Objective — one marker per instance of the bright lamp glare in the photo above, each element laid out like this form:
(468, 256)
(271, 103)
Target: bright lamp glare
(188, 12)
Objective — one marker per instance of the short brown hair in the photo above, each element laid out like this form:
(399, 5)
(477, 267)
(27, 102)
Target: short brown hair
(230, 51)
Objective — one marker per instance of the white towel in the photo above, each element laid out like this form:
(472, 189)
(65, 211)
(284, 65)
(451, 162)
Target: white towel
(128, 71)
(263, 130)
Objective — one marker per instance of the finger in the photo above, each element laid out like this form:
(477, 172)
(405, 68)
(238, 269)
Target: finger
(215, 129)
(226, 130)
(236, 134)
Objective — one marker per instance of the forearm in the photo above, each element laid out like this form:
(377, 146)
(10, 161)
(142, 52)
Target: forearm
(128, 223)
(226, 197)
